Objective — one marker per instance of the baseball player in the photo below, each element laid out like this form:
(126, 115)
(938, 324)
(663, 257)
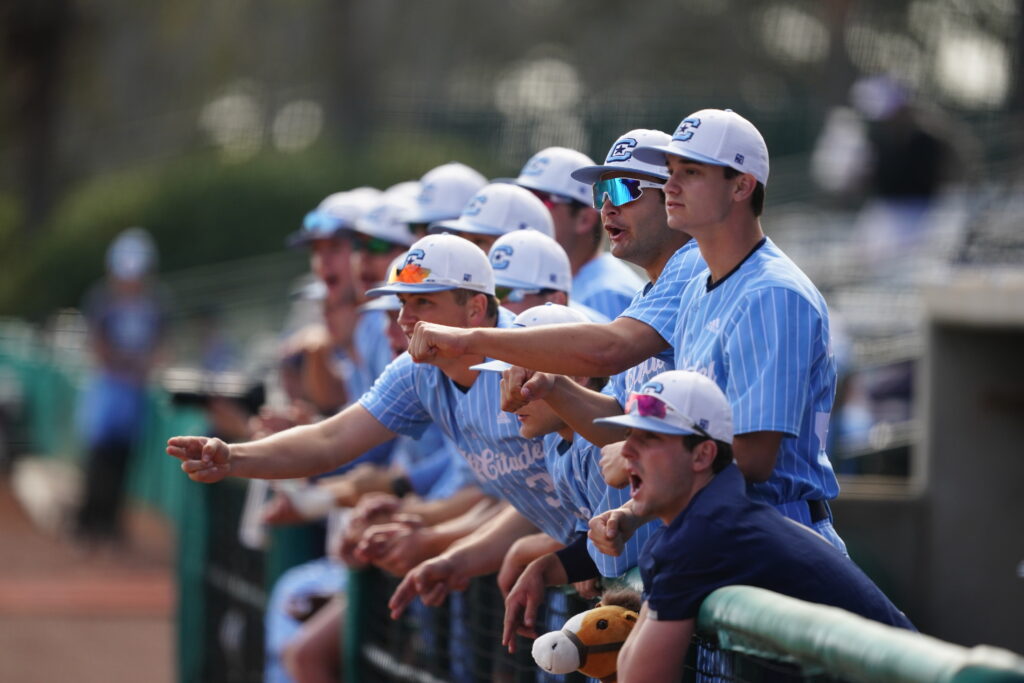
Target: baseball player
(497, 209)
(447, 280)
(681, 471)
(444, 192)
(754, 323)
(531, 269)
(599, 281)
(802, 477)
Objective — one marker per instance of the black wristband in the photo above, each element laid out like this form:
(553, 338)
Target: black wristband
(401, 485)
(576, 561)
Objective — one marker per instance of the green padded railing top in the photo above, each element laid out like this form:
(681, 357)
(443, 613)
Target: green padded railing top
(827, 639)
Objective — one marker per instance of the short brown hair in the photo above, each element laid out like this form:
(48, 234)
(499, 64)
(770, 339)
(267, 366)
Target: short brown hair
(756, 199)
(722, 458)
(463, 295)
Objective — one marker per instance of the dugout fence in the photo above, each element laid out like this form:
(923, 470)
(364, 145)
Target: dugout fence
(744, 634)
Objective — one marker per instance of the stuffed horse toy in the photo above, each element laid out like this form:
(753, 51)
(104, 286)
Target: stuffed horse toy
(589, 643)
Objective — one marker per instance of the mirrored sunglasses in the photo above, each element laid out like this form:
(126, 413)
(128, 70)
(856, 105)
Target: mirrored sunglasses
(411, 273)
(621, 191)
(647, 405)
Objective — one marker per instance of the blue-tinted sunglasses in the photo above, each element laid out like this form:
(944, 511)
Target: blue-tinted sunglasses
(621, 190)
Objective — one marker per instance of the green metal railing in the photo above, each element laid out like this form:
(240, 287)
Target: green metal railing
(756, 622)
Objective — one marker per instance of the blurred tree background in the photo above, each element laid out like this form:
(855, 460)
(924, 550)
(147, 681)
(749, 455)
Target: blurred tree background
(217, 124)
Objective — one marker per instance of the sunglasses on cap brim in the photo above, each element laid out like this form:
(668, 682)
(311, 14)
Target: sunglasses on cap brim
(647, 405)
(621, 191)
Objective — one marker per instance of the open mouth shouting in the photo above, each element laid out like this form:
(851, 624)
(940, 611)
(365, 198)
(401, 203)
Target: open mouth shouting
(615, 232)
(636, 483)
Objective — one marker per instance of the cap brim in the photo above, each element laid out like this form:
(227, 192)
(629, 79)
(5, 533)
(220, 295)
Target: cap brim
(500, 281)
(304, 237)
(409, 288)
(414, 216)
(382, 303)
(397, 240)
(649, 424)
(591, 174)
(460, 225)
(656, 155)
(298, 239)
(491, 365)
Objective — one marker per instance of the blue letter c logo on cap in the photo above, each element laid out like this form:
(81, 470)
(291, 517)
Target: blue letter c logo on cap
(656, 387)
(621, 150)
(685, 130)
(475, 206)
(500, 256)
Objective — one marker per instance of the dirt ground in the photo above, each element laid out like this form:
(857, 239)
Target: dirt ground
(67, 614)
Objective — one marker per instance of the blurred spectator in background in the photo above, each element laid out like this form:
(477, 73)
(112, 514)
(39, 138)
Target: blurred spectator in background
(217, 353)
(125, 315)
(901, 155)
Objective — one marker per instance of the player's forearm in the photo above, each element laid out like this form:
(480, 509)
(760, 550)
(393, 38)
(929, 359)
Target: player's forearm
(457, 528)
(579, 407)
(654, 650)
(482, 551)
(297, 452)
(756, 453)
(580, 350)
(310, 449)
(438, 511)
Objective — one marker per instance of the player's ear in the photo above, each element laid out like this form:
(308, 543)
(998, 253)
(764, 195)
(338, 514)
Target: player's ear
(704, 454)
(476, 308)
(588, 220)
(743, 187)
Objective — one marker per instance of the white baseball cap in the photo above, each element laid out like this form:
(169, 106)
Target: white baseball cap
(337, 211)
(444, 191)
(527, 259)
(438, 263)
(715, 136)
(621, 159)
(387, 220)
(538, 316)
(500, 208)
(678, 402)
(550, 170)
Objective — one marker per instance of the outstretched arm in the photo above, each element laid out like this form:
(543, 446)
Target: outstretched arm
(580, 350)
(296, 452)
(655, 650)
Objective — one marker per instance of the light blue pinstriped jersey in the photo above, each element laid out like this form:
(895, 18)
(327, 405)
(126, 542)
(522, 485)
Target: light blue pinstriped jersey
(577, 473)
(358, 375)
(409, 396)
(370, 340)
(659, 303)
(762, 335)
(432, 463)
(456, 476)
(605, 284)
